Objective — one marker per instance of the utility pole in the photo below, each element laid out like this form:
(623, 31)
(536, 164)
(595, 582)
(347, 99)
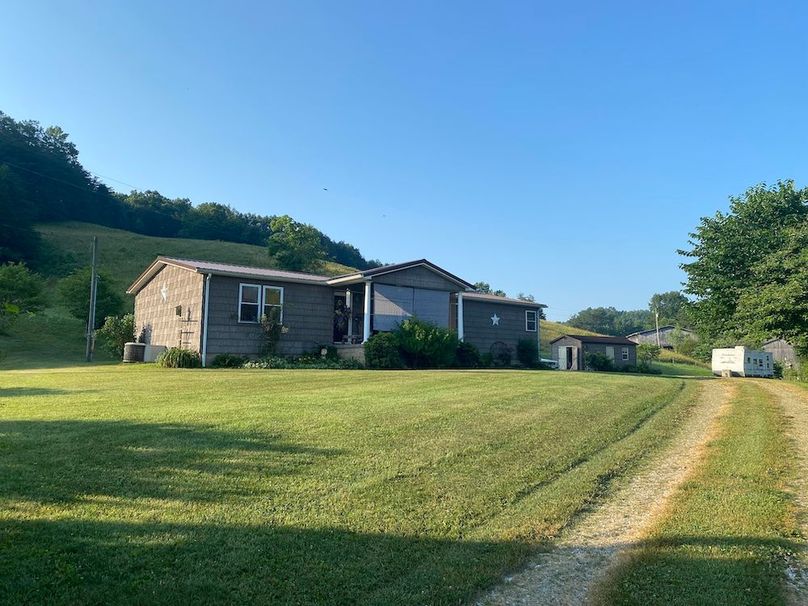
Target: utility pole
(93, 293)
(656, 321)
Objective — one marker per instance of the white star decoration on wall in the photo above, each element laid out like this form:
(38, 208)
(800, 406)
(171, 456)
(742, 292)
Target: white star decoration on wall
(164, 293)
(495, 320)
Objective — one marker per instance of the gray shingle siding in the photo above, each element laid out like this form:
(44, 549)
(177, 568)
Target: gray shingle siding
(417, 277)
(479, 330)
(308, 312)
(158, 317)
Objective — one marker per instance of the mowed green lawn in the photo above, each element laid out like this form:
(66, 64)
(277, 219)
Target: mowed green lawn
(146, 485)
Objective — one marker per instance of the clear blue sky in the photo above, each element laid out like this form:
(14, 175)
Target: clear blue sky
(563, 149)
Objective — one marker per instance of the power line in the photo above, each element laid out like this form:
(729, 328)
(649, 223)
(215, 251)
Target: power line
(68, 183)
(62, 181)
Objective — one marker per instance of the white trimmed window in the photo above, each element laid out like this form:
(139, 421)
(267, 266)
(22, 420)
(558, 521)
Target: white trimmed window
(273, 302)
(255, 300)
(249, 302)
(625, 354)
(531, 321)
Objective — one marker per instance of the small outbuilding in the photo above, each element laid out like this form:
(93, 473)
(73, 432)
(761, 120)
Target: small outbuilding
(783, 352)
(570, 350)
(742, 361)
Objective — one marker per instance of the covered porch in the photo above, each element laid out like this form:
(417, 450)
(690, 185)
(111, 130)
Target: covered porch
(378, 300)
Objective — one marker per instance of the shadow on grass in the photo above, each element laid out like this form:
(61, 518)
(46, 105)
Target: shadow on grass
(79, 561)
(701, 570)
(22, 392)
(72, 561)
(62, 461)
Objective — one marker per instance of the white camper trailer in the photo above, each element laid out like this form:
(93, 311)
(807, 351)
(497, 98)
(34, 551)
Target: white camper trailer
(741, 361)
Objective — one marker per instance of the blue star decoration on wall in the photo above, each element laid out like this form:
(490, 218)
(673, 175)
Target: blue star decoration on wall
(495, 320)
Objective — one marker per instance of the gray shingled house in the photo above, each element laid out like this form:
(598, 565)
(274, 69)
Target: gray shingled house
(570, 350)
(215, 308)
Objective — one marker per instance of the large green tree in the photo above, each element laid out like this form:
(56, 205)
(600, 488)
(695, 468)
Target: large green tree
(776, 303)
(21, 291)
(728, 255)
(294, 246)
(74, 291)
(671, 306)
(485, 288)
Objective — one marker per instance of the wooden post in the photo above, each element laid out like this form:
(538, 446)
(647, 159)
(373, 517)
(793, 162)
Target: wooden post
(93, 293)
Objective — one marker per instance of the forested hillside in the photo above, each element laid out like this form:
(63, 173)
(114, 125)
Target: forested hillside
(43, 181)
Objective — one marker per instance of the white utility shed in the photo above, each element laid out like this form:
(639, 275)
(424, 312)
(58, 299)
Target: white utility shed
(741, 361)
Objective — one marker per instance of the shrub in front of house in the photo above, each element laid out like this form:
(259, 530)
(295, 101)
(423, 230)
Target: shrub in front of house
(501, 355)
(467, 355)
(527, 352)
(598, 361)
(382, 351)
(648, 352)
(425, 345)
(178, 357)
(303, 362)
(228, 360)
(116, 332)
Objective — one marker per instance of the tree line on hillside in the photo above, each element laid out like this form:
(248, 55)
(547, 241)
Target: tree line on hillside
(42, 180)
(672, 307)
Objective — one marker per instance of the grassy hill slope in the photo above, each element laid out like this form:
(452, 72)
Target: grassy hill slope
(125, 254)
(54, 338)
(553, 330)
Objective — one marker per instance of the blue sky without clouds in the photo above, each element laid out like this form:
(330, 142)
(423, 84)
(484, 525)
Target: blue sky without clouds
(563, 149)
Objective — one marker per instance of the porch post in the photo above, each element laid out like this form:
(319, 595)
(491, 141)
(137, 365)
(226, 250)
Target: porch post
(366, 318)
(460, 316)
(349, 309)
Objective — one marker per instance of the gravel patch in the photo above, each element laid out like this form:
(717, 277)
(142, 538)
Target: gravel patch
(564, 575)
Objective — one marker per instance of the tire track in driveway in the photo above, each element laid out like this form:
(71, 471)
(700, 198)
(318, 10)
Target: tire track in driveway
(793, 401)
(564, 575)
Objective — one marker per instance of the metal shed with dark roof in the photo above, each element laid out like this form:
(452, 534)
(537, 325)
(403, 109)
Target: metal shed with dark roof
(570, 351)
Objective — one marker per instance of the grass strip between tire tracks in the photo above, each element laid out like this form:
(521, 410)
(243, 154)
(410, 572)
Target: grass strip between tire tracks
(729, 533)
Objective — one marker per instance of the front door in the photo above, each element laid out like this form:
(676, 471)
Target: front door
(341, 318)
(567, 358)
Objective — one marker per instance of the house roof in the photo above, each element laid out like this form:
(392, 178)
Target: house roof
(260, 273)
(224, 269)
(388, 269)
(652, 331)
(596, 339)
(488, 298)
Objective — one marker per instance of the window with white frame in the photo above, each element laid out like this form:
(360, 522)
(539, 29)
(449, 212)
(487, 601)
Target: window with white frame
(255, 301)
(625, 354)
(249, 302)
(273, 303)
(531, 321)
